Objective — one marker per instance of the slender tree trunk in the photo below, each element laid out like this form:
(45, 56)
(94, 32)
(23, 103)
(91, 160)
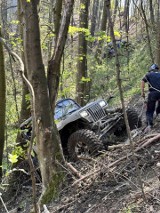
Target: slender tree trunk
(102, 28)
(115, 11)
(147, 31)
(50, 29)
(152, 13)
(94, 16)
(100, 13)
(57, 16)
(82, 55)
(4, 18)
(158, 36)
(126, 12)
(25, 109)
(47, 137)
(119, 84)
(126, 23)
(54, 64)
(3, 105)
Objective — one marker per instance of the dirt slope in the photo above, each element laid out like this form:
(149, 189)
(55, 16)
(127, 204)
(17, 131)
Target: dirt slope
(109, 183)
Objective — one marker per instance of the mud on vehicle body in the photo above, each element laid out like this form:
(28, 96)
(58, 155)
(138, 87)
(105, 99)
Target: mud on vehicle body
(86, 129)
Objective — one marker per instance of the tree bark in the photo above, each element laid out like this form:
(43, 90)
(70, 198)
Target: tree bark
(25, 104)
(47, 137)
(4, 18)
(157, 58)
(102, 28)
(3, 105)
(119, 84)
(115, 11)
(94, 16)
(147, 31)
(152, 13)
(81, 86)
(57, 17)
(53, 71)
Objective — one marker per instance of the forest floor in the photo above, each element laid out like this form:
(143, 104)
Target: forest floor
(110, 183)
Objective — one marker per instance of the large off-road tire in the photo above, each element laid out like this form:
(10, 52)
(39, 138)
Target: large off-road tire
(83, 142)
(133, 119)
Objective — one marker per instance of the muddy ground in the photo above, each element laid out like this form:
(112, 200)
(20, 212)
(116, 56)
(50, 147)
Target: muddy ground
(115, 182)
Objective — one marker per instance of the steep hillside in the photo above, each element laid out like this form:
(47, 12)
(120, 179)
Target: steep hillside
(108, 183)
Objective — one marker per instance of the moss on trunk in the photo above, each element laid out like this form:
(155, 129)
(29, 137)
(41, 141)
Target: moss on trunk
(53, 188)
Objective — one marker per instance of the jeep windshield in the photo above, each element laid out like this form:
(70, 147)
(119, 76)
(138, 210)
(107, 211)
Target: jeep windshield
(65, 107)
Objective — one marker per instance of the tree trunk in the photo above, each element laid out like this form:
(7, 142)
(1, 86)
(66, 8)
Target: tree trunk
(152, 13)
(25, 110)
(119, 84)
(47, 137)
(115, 11)
(102, 28)
(54, 64)
(57, 17)
(94, 16)
(158, 36)
(4, 18)
(147, 31)
(3, 105)
(50, 29)
(126, 15)
(82, 55)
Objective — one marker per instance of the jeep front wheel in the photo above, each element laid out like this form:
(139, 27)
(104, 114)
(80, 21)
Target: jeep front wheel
(83, 142)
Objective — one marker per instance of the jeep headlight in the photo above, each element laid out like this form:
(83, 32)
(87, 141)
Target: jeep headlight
(84, 114)
(102, 103)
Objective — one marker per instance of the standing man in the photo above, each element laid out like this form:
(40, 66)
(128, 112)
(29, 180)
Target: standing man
(152, 78)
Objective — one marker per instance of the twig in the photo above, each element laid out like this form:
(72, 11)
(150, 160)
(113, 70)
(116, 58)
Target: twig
(117, 146)
(3, 203)
(74, 170)
(148, 142)
(45, 209)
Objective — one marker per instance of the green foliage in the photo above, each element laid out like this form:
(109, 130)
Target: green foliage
(85, 79)
(104, 76)
(18, 151)
(73, 30)
(82, 6)
(101, 35)
(15, 22)
(13, 158)
(28, 100)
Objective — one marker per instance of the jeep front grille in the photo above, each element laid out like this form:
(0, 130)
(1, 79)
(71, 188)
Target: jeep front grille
(96, 112)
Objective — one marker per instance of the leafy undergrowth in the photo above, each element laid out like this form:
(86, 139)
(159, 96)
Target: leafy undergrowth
(107, 184)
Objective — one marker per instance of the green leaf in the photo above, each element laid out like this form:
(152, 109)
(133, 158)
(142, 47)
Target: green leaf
(13, 158)
(72, 30)
(82, 6)
(116, 33)
(85, 79)
(15, 22)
